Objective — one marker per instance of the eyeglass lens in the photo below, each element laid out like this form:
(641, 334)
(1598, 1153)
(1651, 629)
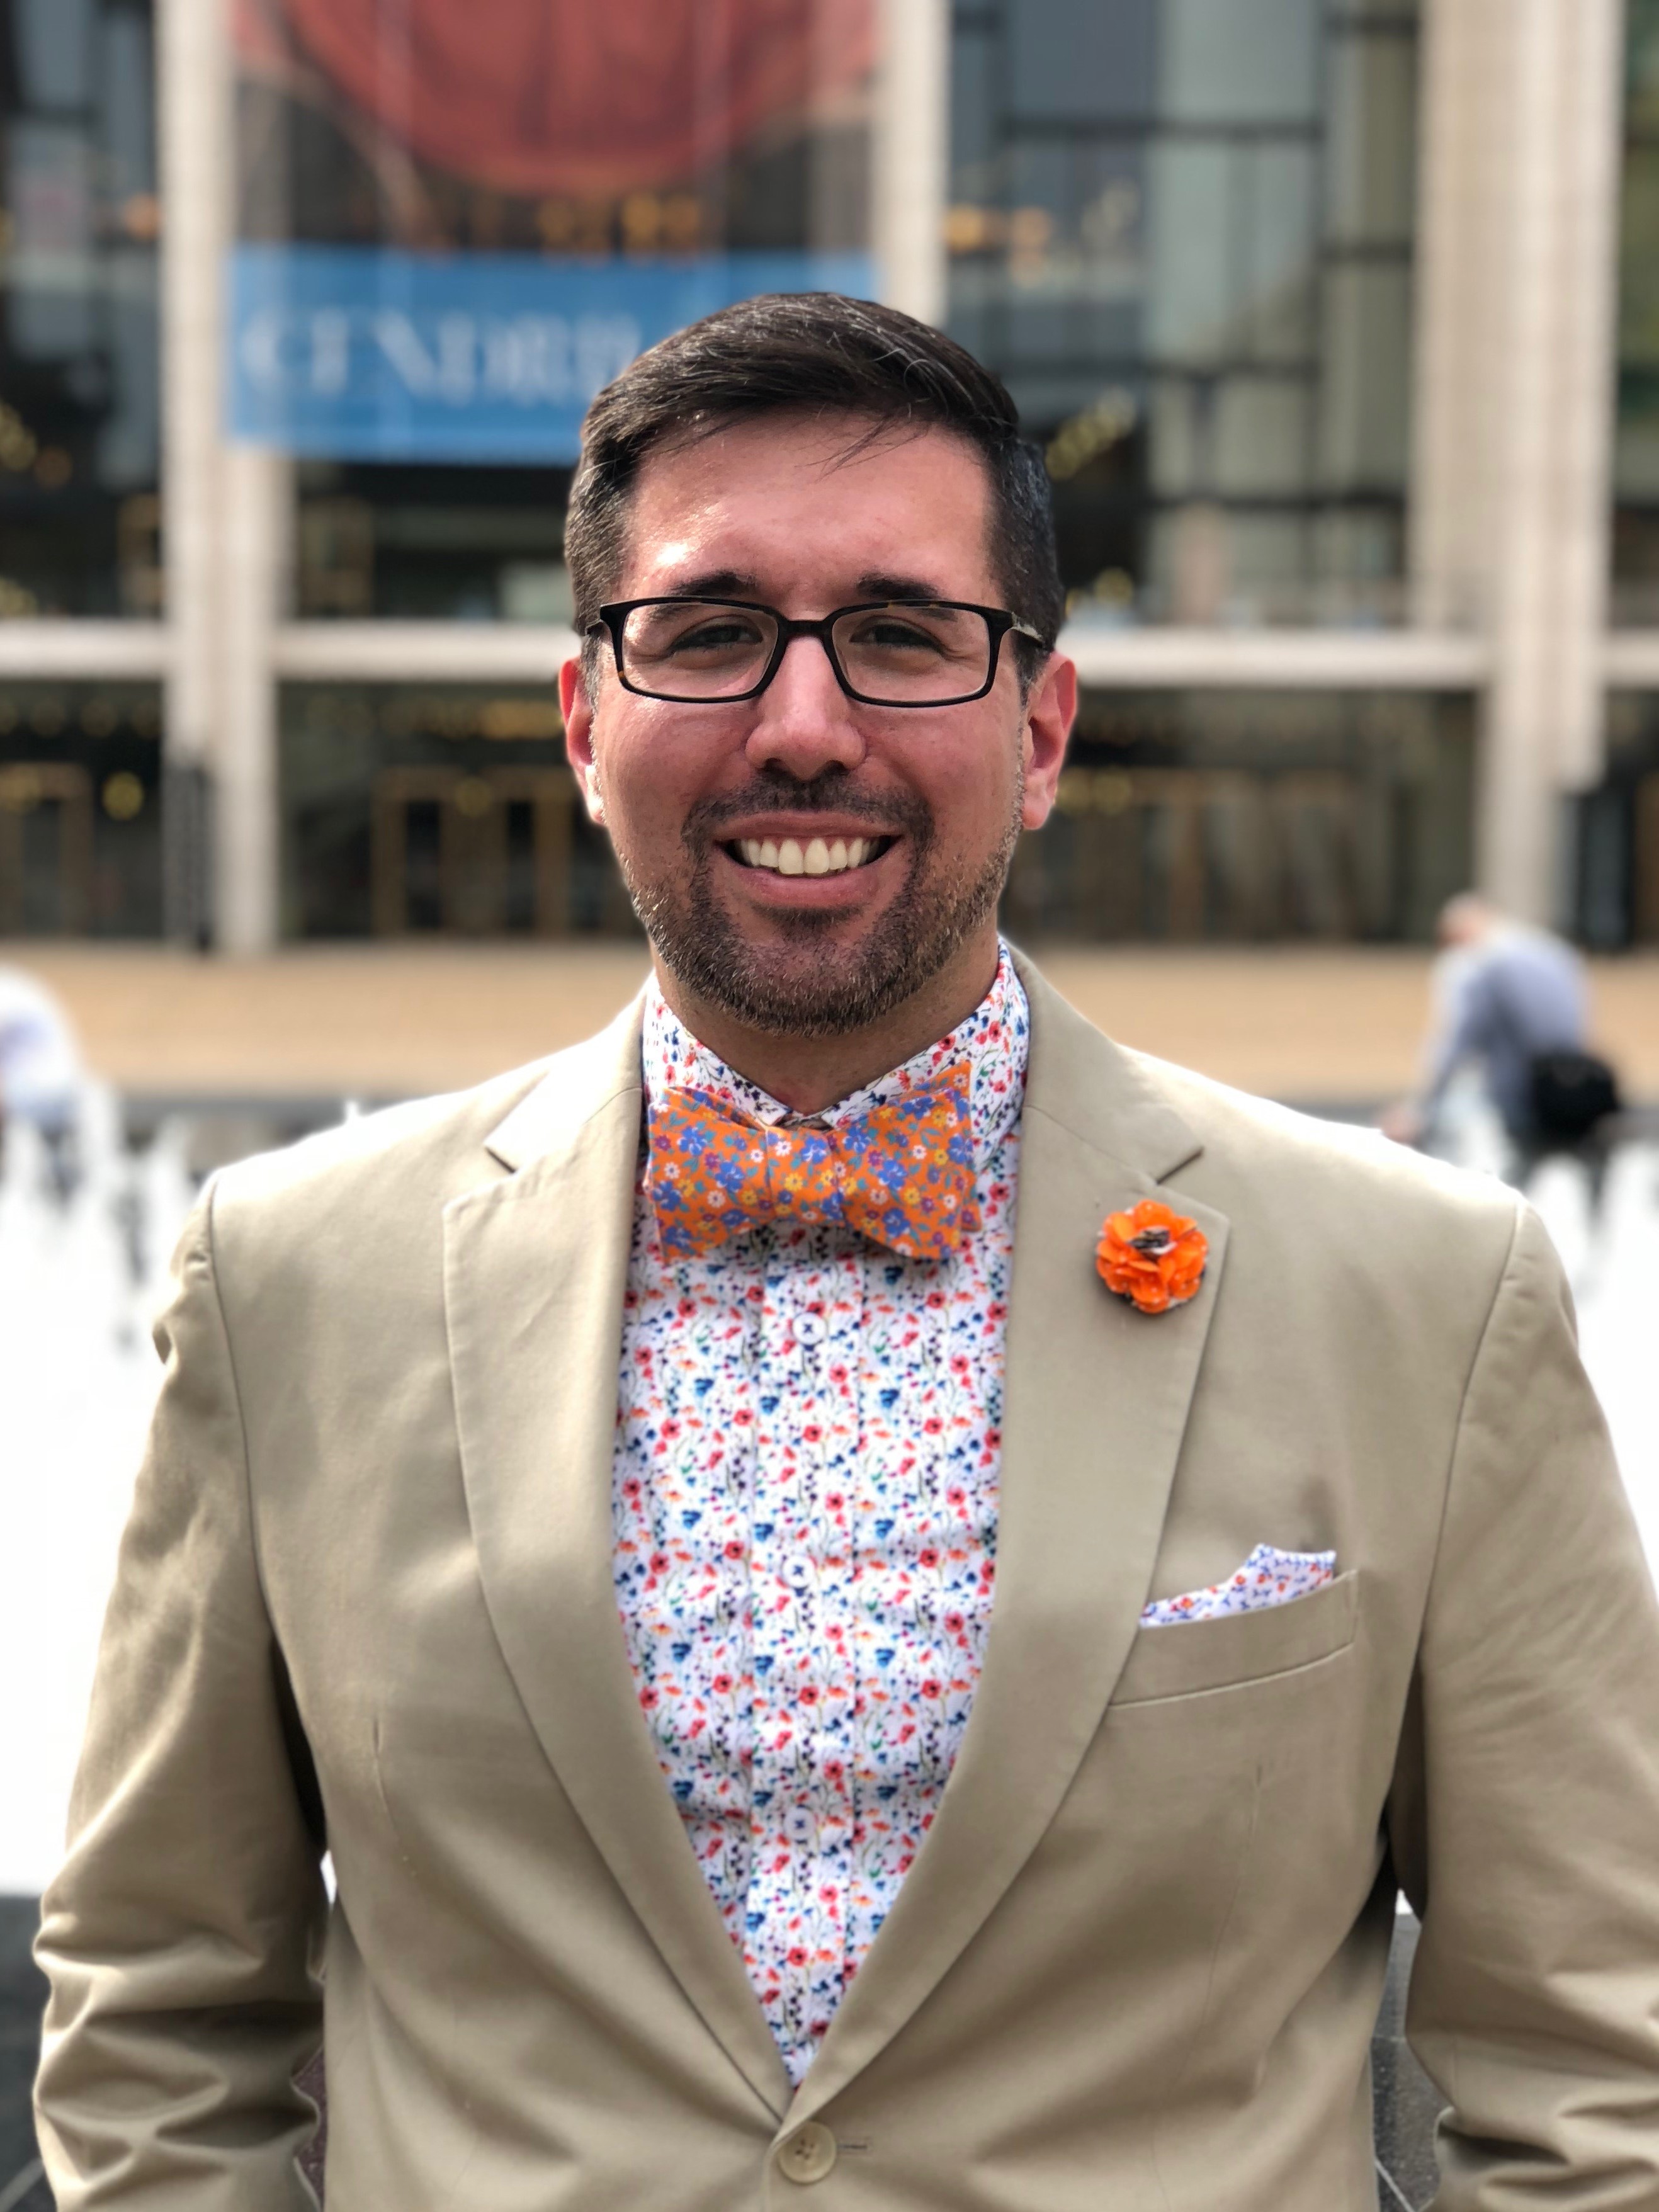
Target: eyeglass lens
(903, 655)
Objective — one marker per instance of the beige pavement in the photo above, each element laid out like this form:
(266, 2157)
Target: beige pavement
(1316, 1025)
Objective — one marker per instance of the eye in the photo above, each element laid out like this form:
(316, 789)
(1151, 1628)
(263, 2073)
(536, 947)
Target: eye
(717, 634)
(694, 635)
(926, 632)
(891, 633)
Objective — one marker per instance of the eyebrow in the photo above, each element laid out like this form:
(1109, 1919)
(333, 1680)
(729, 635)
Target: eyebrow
(716, 584)
(874, 586)
(729, 583)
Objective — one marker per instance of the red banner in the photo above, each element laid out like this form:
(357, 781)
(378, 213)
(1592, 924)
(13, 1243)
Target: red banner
(578, 97)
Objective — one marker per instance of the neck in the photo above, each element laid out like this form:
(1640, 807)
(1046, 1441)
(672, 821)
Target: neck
(808, 1074)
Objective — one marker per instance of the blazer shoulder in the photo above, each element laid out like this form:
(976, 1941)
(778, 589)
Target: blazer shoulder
(411, 1159)
(1257, 1149)
(1231, 1149)
(374, 1151)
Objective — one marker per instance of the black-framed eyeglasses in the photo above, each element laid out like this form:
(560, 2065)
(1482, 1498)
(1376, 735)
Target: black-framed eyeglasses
(885, 653)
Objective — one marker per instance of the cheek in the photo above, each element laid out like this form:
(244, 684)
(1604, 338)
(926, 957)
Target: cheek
(972, 791)
(648, 784)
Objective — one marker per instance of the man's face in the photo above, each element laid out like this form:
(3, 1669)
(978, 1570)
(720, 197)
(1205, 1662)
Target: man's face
(925, 802)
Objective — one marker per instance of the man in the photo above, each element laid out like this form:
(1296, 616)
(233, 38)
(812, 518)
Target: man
(813, 1677)
(1514, 1002)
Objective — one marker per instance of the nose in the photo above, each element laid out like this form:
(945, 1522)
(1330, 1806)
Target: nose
(805, 722)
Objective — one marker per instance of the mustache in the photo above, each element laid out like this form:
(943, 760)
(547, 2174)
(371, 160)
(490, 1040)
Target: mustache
(834, 792)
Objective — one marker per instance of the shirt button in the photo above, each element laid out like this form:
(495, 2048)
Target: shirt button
(809, 2154)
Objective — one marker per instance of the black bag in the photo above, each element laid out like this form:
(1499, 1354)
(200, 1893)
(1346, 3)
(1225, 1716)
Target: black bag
(1571, 1091)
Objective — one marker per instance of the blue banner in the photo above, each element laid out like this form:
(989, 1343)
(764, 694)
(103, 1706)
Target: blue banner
(354, 353)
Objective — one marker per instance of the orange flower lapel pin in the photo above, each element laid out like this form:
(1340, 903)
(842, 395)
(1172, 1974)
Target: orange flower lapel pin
(1152, 1257)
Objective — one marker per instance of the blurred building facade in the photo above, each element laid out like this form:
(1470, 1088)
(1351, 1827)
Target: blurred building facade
(1338, 321)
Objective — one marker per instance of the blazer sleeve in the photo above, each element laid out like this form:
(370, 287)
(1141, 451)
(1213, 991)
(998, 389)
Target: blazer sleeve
(182, 1936)
(1525, 1814)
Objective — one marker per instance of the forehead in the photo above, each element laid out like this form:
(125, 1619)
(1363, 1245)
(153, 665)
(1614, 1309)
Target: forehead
(809, 505)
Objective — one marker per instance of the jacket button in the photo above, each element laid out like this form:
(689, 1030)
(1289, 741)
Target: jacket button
(809, 2154)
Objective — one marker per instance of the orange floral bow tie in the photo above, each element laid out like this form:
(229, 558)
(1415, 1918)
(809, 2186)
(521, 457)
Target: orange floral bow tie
(902, 1175)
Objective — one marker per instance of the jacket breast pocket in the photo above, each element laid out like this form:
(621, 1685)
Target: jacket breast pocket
(1198, 1657)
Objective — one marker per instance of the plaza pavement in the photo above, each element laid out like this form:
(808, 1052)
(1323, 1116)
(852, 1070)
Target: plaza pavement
(1336, 1026)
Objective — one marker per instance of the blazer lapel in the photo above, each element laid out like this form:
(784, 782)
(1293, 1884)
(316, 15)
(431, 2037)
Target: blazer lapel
(1096, 1407)
(535, 1269)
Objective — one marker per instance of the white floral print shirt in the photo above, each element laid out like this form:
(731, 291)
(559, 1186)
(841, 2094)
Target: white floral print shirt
(805, 1495)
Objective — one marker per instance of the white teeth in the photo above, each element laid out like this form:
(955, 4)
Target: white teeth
(818, 858)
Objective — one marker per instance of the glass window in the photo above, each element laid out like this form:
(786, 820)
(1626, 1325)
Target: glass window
(1221, 63)
(1193, 269)
(1618, 856)
(437, 810)
(1365, 420)
(80, 810)
(1636, 453)
(1371, 146)
(447, 809)
(80, 515)
(447, 244)
(1205, 815)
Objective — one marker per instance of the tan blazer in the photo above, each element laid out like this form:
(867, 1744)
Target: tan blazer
(366, 1584)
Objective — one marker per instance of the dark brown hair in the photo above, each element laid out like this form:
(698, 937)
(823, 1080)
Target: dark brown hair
(820, 352)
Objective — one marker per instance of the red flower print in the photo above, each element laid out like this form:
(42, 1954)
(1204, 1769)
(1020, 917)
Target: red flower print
(805, 1445)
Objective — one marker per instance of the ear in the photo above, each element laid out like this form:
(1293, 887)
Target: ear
(1050, 711)
(578, 711)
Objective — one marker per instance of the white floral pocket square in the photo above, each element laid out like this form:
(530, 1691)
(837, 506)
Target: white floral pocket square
(1268, 1578)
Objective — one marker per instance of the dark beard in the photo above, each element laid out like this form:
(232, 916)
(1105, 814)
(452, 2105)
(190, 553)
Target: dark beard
(763, 988)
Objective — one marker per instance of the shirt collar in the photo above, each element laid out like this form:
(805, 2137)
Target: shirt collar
(992, 1044)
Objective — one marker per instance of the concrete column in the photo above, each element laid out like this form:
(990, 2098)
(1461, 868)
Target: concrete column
(193, 138)
(1553, 397)
(913, 155)
(1460, 217)
(1515, 394)
(257, 491)
(225, 518)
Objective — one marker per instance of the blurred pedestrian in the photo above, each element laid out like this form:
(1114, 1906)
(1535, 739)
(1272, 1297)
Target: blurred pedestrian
(1513, 1000)
(40, 1075)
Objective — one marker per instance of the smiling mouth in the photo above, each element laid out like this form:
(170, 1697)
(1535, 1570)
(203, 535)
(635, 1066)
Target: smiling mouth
(788, 856)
